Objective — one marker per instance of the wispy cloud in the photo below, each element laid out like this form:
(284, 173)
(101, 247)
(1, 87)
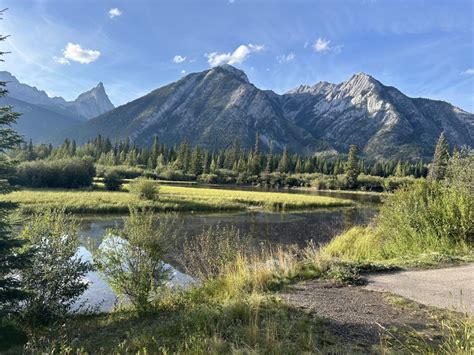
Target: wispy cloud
(61, 60)
(469, 71)
(238, 56)
(114, 12)
(322, 45)
(179, 59)
(76, 53)
(286, 58)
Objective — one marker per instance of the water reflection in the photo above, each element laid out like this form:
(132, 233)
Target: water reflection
(262, 227)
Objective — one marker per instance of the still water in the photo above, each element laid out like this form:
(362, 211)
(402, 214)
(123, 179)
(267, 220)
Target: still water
(270, 228)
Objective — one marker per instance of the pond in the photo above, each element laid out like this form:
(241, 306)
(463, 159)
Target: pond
(271, 228)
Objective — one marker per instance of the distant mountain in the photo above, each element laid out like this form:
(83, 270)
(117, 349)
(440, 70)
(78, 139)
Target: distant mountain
(92, 103)
(43, 116)
(87, 105)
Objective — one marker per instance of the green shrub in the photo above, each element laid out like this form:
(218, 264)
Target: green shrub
(393, 183)
(55, 277)
(112, 181)
(123, 171)
(425, 217)
(175, 175)
(66, 173)
(145, 189)
(370, 183)
(131, 258)
(208, 178)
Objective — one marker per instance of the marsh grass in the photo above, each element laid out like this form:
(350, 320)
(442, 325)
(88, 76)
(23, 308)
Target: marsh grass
(425, 223)
(172, 198)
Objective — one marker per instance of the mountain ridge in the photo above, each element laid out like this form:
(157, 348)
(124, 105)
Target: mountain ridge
(214, 107)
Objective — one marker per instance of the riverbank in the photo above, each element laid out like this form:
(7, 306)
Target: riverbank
(171, 198)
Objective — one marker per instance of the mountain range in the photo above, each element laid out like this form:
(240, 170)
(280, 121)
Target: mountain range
(215, 107)
(43, 116)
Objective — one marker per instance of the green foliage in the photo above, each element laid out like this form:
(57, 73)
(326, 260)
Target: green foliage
(352, 167)
(12, 260)
(112, 181)
(440, 160)
(131, 258)
(55, 277)
(145, 189)
(67, 173)
(426, 217)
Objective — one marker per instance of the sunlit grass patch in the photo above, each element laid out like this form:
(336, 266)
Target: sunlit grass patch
(172, 198)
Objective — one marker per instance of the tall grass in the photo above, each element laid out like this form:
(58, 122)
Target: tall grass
(421, 219)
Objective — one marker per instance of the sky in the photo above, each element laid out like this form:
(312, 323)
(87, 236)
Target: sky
(65, 47)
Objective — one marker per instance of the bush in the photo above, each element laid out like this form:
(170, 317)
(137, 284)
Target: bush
(370, 183)
(112, 181)
(131, 258)
(145, 189)
(55, 277)
(208, 178)
(66, 173)
(175, 175)
(393, 183)
(425, 217)
(123, 171)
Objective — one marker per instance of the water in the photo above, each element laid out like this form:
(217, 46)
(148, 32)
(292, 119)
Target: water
(271, 228)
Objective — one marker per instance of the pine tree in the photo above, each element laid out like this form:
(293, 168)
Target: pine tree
(352, 166)
(284, 164)
(255, 167)
(440, 160)
(12, 260)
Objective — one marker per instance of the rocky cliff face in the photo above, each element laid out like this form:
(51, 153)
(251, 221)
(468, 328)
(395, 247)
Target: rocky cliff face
(92, 103)
(381, 120)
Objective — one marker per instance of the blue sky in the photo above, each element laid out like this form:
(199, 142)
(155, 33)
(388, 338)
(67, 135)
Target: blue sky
(425, 48)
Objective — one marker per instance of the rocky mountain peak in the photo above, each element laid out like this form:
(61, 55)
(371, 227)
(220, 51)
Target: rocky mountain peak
(93, 102)
(229, 69)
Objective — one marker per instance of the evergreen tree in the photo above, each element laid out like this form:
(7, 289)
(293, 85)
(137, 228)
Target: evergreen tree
(12, 260)
(196, 162)
(255, 167)
(352, 166)
(440, 159)
(284, 164)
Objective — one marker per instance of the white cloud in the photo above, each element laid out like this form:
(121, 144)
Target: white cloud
(114, 12)
(239, 55)
(323, 45)
(76, 53)
(183, 72)
(179, 59)
(286, 58)
(61, 60)
(469, 71)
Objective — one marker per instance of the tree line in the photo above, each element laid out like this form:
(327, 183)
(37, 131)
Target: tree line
(197, 161)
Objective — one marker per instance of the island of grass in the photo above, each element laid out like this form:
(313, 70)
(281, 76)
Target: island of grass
(171, 198)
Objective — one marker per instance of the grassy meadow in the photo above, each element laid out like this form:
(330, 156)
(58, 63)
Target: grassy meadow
(171, 198)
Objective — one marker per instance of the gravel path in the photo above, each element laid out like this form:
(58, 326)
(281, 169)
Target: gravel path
(451, 288)
(353, 313)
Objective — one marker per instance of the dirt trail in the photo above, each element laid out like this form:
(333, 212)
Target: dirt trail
(451, 288)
